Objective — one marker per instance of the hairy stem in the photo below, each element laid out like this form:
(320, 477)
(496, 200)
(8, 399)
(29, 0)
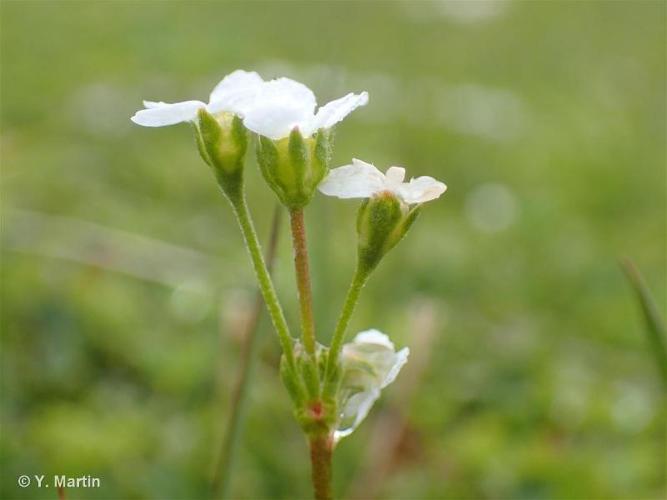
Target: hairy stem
(222, 471)
(321, 450)
(358, 282)
(264, 279)
(303, 279)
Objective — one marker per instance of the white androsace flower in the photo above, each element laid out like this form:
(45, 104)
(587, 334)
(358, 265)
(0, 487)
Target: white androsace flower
(284, 104)
(370, 363)
(363, 180)
(234, 94)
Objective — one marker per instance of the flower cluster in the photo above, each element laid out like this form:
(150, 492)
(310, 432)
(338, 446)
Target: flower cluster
(294, 151)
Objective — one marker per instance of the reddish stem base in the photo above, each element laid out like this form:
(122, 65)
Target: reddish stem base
(321, 450)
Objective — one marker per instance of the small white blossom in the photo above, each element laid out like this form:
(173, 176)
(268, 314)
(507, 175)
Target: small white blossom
(363, 180)
(234, 94)
(284, 104)
(370, 363)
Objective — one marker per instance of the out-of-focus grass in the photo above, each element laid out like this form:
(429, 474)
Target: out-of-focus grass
(547, 122)
(656, 331)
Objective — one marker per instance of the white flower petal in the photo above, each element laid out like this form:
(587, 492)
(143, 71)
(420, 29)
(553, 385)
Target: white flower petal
(359, 180)
(373, 337)
(161, 114)
(330, 114)
(280, 106)
(236, 92)
(154, 104)
(275, 121)
(395, 176)
(363, 180)
(400, 359)
(374, 348)
(369, 363)
(377, 338)
(421, 189)
(290, 90)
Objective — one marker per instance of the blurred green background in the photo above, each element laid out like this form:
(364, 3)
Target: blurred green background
(124, 280)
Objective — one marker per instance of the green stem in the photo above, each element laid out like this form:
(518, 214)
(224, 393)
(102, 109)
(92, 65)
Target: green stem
(303, 279)
(321, 450)
(263, 278)
(358, 282)
(223, 466)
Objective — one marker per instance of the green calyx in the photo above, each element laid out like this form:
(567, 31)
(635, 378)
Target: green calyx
(382, 222)
(222, 141)
(294, 166)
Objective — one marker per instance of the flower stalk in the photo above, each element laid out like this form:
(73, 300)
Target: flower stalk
(358, 281)
(222, 470)
(302, 270)
(321, 451)
(263, 278)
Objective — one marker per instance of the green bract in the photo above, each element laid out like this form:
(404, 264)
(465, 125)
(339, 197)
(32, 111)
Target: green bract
(294, 166)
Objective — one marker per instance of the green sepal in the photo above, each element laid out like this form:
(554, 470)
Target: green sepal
(222, 143)
(322, 359)
(382, 221)
(410, 218)
(331, 383)
(297, 152)
(200, 145)
(268, 161)
(292, 383)
(309, 374)
(322, 153)
(324, 146)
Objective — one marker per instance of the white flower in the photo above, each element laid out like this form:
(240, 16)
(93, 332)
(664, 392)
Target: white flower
(234, 94)
(284, 104)
(370, 363)
(363, 180)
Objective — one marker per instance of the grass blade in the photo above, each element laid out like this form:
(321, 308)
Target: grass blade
(655, 326)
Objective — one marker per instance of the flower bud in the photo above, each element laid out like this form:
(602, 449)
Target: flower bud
(382, 221)
(294, 166)
(222, 141)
